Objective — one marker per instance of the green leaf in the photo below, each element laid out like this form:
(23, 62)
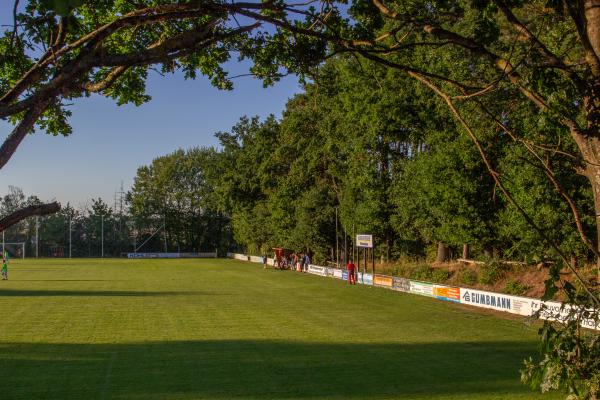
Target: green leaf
(550, 289)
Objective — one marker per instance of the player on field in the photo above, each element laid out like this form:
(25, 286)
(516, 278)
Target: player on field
(5, 265)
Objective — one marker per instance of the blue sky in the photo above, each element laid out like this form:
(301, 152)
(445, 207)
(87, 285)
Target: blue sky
(109, 143)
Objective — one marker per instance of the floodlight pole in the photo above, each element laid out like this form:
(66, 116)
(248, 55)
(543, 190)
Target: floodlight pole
(37, 237)
(102, 233)
(337, 259)
(70, 234)
(345, 247)
(165, 231)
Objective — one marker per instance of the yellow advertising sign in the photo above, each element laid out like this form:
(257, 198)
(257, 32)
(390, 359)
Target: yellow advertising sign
(383, 280)
(447, 293)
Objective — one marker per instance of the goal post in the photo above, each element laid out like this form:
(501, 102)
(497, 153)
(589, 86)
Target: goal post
(15, 249)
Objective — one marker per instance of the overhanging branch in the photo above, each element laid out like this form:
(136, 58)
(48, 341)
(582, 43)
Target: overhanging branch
(30, 211)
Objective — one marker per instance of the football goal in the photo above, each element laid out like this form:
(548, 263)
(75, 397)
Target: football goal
(15, 249)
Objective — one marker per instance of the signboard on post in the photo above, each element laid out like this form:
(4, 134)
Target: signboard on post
(365, 241)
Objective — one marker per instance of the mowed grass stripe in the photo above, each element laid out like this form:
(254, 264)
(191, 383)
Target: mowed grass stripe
(223, 329)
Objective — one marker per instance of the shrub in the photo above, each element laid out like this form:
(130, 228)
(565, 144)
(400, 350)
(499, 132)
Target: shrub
(468, 277)
(491, 272)
(440, 275)
(422, 272)
(515, 287)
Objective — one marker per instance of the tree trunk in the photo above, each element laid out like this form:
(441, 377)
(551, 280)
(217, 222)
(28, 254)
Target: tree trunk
(442, 252)
(488, 251)
(497, 253)
(589, 145)
(466, 251)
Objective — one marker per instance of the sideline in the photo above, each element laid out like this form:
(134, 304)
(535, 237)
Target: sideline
(524, 306)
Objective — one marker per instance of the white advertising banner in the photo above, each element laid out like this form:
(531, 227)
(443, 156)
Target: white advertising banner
(421, 288)
(171, 255)
(366, 279)
(317, 270)
(555, 311)
(337, 273)
(255, 259)
(365, 241)
(496, 301)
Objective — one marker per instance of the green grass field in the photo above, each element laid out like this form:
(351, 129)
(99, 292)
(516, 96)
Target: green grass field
(223, 329)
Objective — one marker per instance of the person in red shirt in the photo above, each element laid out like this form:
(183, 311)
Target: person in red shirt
(351, 272)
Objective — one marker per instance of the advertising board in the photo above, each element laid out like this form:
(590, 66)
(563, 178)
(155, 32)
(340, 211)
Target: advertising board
(421, 288)
(401, 284)
(496, 301)
(383, 280)
(555, 311)
(364, 278)
(345, 275)
(317, 270)
(337, 273)
(365, 241)
(447, 293)
(180, 255)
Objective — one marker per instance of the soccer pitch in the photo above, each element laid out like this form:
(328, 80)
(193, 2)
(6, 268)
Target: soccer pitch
(224, 329)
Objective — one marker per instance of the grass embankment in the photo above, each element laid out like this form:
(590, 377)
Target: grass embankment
(222, 329)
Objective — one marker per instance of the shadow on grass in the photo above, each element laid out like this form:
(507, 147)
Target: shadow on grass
(263, 370)
(64, 280)
(99, 293)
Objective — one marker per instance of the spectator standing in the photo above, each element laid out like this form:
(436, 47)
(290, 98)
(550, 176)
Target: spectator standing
(351, 272)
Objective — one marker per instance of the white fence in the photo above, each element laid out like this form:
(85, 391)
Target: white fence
(550, 310)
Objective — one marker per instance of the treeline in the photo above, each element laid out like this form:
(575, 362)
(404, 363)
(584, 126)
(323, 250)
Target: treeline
(376, 150)
(363, 145)
(85, 232)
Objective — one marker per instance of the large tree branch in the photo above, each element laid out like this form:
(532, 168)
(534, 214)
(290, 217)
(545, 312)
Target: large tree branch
(30, 211)
(173, 47)
(551, 176)
(111, 78)
(25, 126)
(576, 10)
(139, 17)
(501, 64)
(136, 18)
(552, 59)
(168, 49)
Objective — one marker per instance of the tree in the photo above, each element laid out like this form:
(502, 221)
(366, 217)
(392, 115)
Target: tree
(177, 190)
(109, 46)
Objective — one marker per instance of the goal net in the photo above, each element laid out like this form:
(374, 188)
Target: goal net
(15, 250)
